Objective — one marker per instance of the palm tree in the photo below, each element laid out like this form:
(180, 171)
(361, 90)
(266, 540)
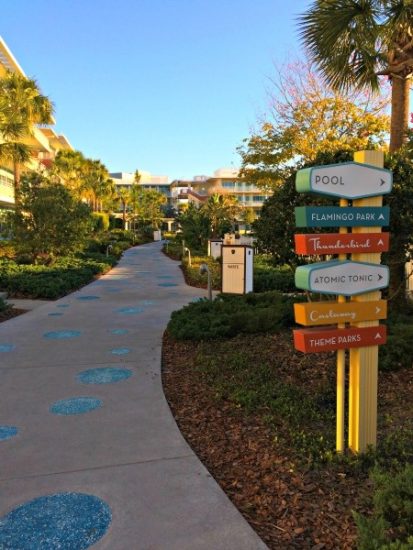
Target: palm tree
(22, 105)
(124, 198)
(355, 42)
(220, 208)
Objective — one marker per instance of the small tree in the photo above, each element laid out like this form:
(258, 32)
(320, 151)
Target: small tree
(51, 221)
(195, 226)
(149, 207)
(307, 118)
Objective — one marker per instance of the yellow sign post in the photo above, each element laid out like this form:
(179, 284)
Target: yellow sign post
(364, 361)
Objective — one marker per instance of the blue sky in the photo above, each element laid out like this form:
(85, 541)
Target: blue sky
(168, 86)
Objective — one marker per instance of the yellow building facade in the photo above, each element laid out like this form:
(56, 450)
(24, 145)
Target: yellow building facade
(44, 142)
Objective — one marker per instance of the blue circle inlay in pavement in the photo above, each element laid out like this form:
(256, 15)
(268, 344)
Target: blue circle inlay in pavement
(167, 284)
(62, 334)
(130, 310)
(120, 331)
(104, 375)
(166, 276)
(7, 432)
(67, 521)
(119, 351)
(75, 405)
(55, 314)
(62, 305)
(4, 348)
(87, 298)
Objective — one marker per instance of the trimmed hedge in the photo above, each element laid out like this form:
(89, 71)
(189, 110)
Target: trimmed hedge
(49, 282)
(227, 316)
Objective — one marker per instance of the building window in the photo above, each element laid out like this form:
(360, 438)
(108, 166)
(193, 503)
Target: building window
(228, 185)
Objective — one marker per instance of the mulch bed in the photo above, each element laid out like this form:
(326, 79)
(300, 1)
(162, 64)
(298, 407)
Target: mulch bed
(10, 313)
(288, 503)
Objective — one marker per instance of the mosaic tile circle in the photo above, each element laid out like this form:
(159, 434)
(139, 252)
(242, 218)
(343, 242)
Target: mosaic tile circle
(166, 276)
(75, 405)
(120, 331)
(130, 310)
(62, 305)
(167, 284)
(5, 348)
(55, 314)
(104, 375)
(7, 432)
(120, 351)
(62, 334)
(67, 521)
(88, 298)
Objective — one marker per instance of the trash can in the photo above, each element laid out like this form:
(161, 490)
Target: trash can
(237, 269)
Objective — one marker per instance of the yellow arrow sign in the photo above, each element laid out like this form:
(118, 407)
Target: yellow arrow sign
(328, 313)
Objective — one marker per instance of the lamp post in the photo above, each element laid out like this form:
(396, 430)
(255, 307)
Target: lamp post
(186, 249)
(203, 268)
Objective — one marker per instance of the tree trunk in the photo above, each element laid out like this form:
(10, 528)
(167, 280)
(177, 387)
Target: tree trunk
(400, 97)
(124, 216)
(16, 170)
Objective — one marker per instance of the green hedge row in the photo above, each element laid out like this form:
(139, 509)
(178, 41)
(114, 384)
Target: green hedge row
(49, 282)
(227, 316)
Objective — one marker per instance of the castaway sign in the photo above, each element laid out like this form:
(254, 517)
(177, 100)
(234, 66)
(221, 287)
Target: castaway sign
(346, 278)
(348, 180)
(326, 313)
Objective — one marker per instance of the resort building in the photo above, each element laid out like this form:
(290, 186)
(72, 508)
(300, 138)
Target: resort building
(223, 181)
(44, 142)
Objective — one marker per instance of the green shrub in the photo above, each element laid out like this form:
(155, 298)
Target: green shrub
(4, 306)
(391, 525)
(228, 316)
(398, 352)
(7, 250)
(100, 221)
(49, 282)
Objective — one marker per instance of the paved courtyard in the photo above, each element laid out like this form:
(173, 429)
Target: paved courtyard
(89, 451)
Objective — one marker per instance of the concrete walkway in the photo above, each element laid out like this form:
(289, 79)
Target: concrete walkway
(128, 451)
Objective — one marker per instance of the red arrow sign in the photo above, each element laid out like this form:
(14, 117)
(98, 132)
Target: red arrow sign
(315, 340)
(341, 243)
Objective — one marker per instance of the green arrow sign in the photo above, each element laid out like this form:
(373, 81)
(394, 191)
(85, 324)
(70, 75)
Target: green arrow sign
(346, 278)
(336, 216)
(348, 180)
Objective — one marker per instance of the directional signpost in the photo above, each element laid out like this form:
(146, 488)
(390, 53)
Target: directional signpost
(346, 278)
(337, 216)
(341, 243)
(325, 313)
(356, 321)
(349, 180)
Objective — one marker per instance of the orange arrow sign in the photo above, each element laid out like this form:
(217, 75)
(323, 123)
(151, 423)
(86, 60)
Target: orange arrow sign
(326, 313)
(341, 243)
(315, 340)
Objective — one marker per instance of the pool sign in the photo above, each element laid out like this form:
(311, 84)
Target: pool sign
(348, 180)
(341, 243)
(326, 313)
(310, 340)
(346, 278)
(342, 216)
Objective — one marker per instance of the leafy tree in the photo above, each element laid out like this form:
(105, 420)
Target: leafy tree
(51, 221)
(22, 105)
(124, 197)
(149, 207)
(221, 211)
(308, 118)
(356, 42)
(248, 215)
(195, 225)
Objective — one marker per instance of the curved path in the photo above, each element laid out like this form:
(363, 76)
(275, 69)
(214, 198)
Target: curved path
(126, 449)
